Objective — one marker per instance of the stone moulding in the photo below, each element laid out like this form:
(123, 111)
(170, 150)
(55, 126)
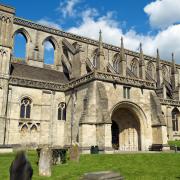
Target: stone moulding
(36, 84)
(170, 102)
(31, 24)
(95, 75)
(117, 79)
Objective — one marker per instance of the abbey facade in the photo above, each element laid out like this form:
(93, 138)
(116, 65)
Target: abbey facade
(93, 94)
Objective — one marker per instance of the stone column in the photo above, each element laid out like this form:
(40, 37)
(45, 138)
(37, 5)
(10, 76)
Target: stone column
(169, 123)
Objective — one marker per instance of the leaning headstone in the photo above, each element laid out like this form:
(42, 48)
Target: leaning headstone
(45, 162)
(74, 153)
(103, 175)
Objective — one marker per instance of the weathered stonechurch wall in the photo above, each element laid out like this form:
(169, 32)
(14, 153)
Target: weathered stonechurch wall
(43, 126)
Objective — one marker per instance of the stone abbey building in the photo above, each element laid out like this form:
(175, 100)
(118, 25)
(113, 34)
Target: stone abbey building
(93, 94)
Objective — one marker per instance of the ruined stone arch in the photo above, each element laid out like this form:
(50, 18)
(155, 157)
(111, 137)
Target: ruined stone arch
(25, 33)
(27, 37)
(55, 44)
(134, 66)
(52, 40)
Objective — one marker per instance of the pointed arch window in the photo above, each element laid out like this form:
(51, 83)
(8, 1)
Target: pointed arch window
(134, 67)
(20, 46)
(174, 114)
(25, 109)
(165, 72)
(95, 57)
(116, 63)
(49, 50)
(151, 69)
(62, 111)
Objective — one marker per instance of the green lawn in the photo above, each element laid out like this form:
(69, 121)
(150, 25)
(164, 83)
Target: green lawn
(159, 166)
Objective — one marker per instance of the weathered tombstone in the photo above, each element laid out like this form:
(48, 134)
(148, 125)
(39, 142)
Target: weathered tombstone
(74, 153)
(103, 175)
(45, 162)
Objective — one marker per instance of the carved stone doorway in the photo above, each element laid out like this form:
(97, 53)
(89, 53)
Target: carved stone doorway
(125, 130)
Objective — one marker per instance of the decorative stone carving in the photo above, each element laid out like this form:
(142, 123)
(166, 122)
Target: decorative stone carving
(170, 102)
(3, 52)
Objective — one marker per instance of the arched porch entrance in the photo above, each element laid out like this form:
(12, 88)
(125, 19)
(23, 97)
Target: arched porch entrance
(125, 129)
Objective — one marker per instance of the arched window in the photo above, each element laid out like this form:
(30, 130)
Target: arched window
(174, 114)
(151, 69)
(62, 111)
(94, 57)
(19, 49)
(116, 62)
(49, 51)
(165, 72)
(25, 109)
(135, 67)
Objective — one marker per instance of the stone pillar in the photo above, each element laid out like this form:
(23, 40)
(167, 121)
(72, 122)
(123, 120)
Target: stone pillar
(34, 58)
(159, 134)
(58, 62)
(101, 62)
(169, 123)
(164, 92)
(6, 27)
(88, 137)
(45, 161)
(122, 64)
(158, 71)
(142, 68)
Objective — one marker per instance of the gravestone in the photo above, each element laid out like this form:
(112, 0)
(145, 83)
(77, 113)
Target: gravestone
(102, 175)
(45, 162)
(74, 153)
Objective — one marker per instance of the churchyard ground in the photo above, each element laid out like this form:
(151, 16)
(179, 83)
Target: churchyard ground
(145, 166)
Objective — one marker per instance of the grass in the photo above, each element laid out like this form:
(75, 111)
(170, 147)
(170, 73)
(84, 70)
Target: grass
(157, 166)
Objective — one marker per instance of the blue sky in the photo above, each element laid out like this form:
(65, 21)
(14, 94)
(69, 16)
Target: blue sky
(155, 23)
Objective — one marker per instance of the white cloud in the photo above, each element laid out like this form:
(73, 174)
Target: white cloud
(163, 13)
(48, 46)
(167, 40)
(49, 23)
(67, 8)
